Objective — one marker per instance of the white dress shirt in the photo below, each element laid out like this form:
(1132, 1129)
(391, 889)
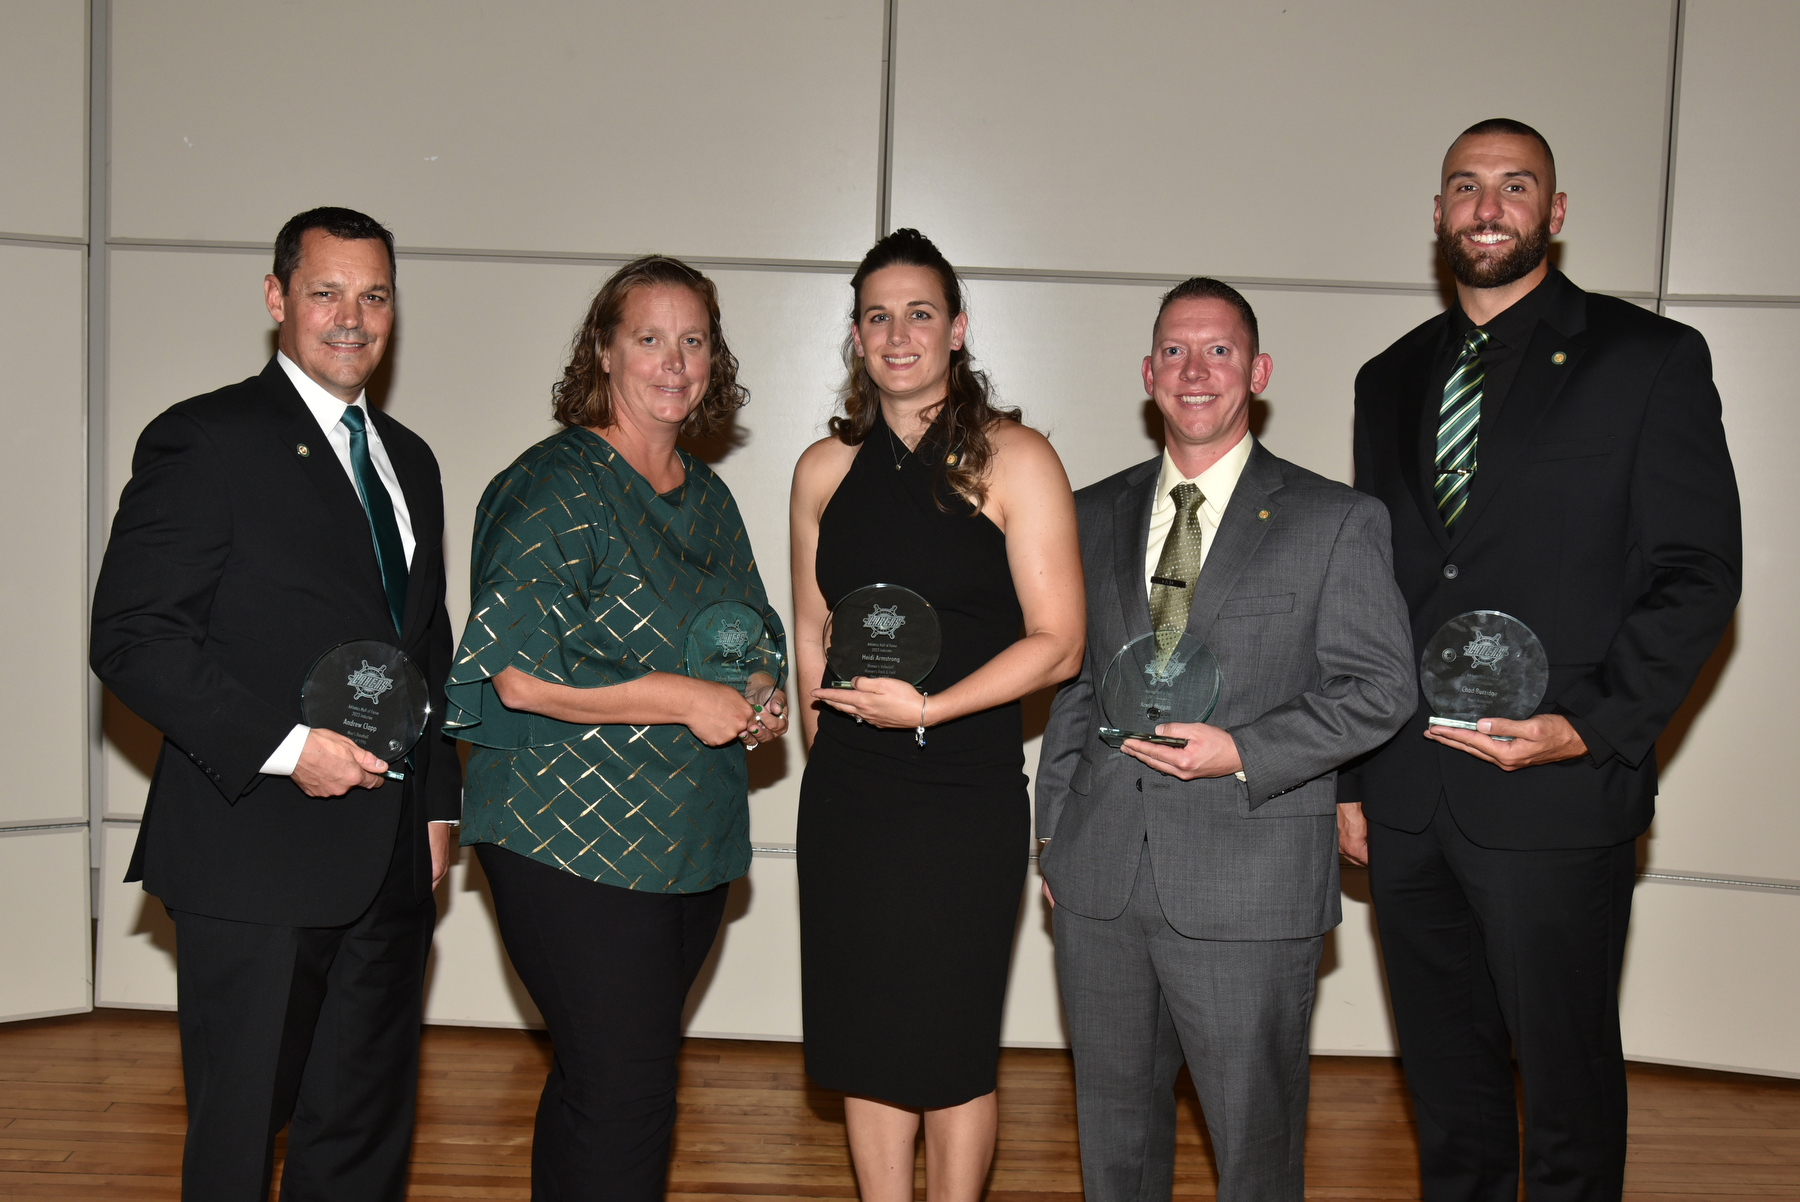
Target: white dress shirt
(328, 411)
(1216, 485)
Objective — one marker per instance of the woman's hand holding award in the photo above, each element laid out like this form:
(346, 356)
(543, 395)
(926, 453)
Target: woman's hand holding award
(1165, 676)
(729, 643)
(370, 693)
(1483, 664)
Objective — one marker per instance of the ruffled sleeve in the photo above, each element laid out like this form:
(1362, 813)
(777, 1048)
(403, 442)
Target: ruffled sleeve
(544, 600)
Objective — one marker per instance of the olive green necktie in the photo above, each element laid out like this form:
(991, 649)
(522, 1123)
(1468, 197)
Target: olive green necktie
(1459, 428)
(390, 554)
(1179, 565)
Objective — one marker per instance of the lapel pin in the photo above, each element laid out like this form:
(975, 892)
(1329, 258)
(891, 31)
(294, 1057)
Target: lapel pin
(1559, 358)
(1262, 515)
(302, 450)
(950, 459)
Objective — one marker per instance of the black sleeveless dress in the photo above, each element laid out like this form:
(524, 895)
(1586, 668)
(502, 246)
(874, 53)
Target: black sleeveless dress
(912, 859)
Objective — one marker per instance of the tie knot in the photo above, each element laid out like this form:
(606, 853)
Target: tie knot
(353, 418)
(1187, 496)
(1474, 341)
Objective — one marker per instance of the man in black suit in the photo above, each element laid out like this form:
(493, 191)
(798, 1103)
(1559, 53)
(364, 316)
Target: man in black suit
(263, 524)
(1559, 456)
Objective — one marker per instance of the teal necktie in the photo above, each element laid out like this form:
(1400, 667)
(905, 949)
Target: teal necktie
(389, 552)
(1459, 429)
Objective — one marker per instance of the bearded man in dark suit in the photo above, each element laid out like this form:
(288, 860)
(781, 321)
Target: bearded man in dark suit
(264, 524)
(1559, 456)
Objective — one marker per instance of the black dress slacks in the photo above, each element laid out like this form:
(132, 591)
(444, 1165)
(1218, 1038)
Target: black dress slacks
(610, 970)
(311, 1028)
(1490, 954)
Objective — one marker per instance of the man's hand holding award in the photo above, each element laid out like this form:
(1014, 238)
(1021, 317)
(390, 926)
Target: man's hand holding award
(1484, 674)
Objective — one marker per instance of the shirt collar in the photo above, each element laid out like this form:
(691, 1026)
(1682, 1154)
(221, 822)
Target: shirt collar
(1513, 325)
(1216, 483)
(326, 409)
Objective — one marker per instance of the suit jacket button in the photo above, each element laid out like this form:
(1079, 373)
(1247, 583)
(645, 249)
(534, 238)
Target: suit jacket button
(1140, 784)
(1450, 571)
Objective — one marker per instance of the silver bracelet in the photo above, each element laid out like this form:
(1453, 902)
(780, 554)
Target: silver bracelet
(919, 731)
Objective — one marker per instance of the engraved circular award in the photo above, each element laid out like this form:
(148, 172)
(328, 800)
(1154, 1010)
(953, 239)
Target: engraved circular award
(370, 693)
(881, 630)
(1164, 676)
(730, 643)
(1483, 664)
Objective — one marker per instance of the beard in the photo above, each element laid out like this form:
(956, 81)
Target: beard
(1478, 270)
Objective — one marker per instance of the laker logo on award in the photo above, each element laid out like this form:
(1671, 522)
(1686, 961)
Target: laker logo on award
(1162, 671)
(1487, 650)
(732, 639)
(370, 682)
(884, 620)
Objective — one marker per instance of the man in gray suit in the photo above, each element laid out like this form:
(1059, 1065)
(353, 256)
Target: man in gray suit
(1193, 885)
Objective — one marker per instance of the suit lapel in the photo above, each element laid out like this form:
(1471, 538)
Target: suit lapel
(296, 428)
(1416, 431)
(415, 483)
(1240, 533)
(1540, 380)
(1131, 536)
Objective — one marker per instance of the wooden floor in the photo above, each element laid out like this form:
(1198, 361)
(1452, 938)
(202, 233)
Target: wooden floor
(91, 1107)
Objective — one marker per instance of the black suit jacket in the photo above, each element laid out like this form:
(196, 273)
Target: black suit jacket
(234, 561)
(1603, 514)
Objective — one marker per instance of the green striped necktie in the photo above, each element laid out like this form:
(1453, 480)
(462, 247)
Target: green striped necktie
(1459, 429)
(389, 552)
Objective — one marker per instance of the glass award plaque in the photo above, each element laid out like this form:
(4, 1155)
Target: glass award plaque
(370, 693)
(881, 630)
(1164, 676)
(1483, 664)
(730, 643)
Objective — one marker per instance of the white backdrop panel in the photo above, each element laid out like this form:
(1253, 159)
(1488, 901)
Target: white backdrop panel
(135, 964)
(1739, 96)
(45, 939)
(692, 127)
(1725, 802)
(43, 593)
(1710, 978)
(1299, 141)
(43, 90)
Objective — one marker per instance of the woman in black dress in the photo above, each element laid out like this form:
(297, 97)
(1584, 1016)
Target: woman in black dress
(914, 824)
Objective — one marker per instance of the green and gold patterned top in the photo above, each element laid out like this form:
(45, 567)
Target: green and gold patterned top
(583, 575)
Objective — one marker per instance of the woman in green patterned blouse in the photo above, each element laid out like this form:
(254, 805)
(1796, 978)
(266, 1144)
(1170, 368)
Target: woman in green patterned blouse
(606, 790)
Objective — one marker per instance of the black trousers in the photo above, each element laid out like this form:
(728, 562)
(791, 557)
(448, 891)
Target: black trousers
(610, 970)
(317, 1025)
(1494, 953)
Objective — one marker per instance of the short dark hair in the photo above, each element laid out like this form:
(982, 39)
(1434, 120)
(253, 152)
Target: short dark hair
(1516, 129)
(347, 224)
(1203, 287)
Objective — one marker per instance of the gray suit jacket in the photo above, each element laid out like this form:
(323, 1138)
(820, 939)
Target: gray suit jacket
(1298, 601)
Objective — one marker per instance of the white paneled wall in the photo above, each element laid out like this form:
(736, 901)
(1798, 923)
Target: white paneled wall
(44, 939)
(1298, 141)
(1735, 169)
(43, 492)
(43, 141)
(1075, 157)
(44, 879)
(704, 128)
